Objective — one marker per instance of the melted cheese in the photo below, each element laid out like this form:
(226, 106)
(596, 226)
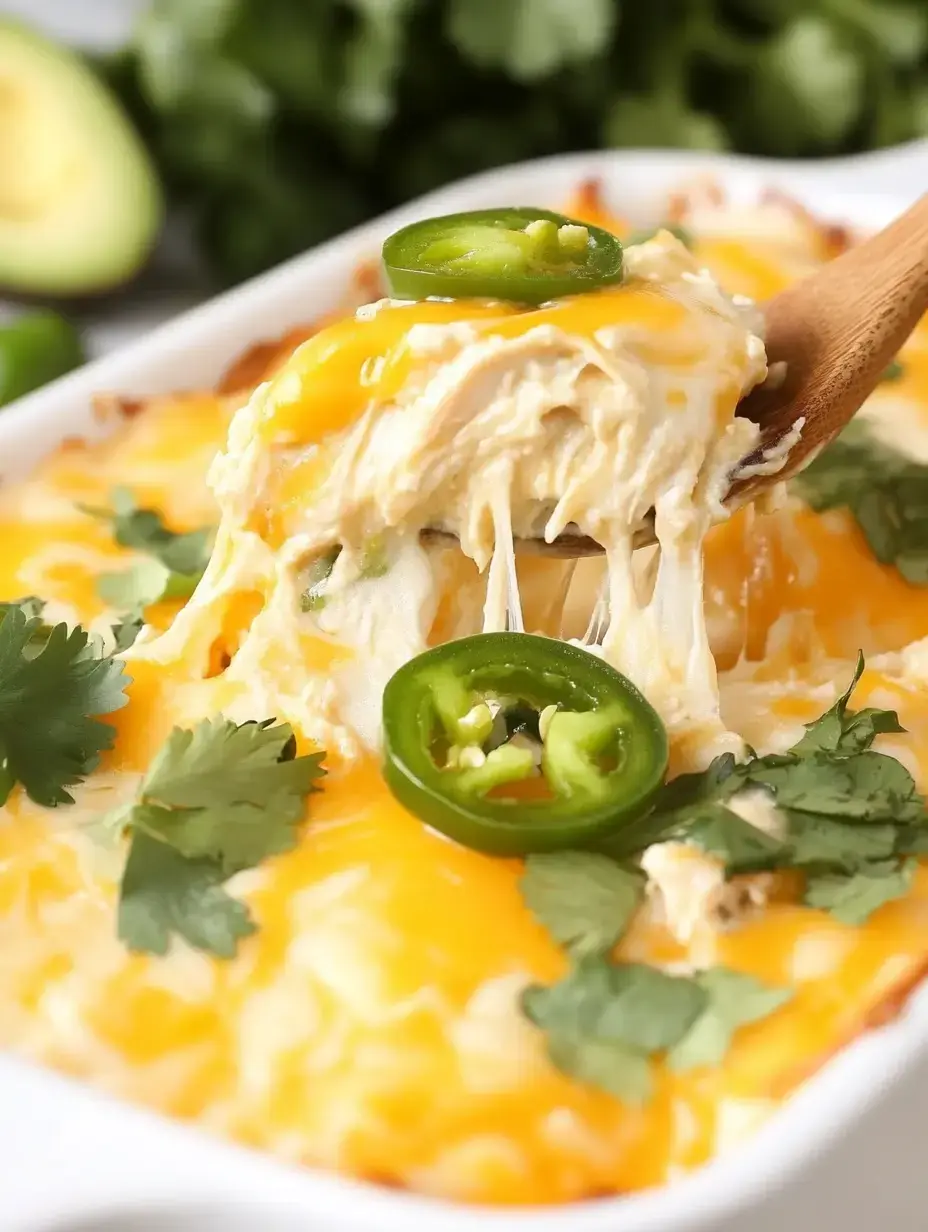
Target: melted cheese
(370, 1025)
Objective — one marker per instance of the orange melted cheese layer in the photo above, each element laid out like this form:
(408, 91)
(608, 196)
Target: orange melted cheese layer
(369, 1025)
(366, 359)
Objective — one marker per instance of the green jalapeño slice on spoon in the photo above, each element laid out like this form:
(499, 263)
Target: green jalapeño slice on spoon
(526, 255)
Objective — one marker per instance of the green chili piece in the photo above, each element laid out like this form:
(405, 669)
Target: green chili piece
(317, 575)
(602, 759)
(524, 255)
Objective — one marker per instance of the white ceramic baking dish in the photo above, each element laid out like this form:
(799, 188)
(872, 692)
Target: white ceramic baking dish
(847, 1151)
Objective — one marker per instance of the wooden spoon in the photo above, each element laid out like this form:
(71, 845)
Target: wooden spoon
(836, 332)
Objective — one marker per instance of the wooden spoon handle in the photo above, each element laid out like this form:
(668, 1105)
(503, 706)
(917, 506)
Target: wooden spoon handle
(839, 330)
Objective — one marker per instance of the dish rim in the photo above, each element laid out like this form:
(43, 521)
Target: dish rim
(193, 348)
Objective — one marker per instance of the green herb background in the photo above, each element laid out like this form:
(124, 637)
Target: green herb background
(277, 123)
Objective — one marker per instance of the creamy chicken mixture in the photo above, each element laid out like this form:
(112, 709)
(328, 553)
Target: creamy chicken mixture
(488, 423)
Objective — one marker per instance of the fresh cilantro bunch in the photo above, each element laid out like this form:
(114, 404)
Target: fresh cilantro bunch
(54, 683)
(216, 800)
(886, 492)
(277, 123)
(173, 566)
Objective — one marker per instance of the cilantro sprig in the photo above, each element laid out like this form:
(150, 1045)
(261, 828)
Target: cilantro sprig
(54, 683)
(606, 1022)
(217, 799)
(853, 897)
(852, 819)
(885, 491)
(175, 561)
(848, 811)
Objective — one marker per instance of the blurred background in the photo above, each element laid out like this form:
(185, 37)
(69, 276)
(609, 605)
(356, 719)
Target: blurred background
(265, 126)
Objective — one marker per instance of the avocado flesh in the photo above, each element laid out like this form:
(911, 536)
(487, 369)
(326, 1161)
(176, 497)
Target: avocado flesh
(80, 203)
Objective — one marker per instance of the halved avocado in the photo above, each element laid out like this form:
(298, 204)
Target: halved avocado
(80, 202)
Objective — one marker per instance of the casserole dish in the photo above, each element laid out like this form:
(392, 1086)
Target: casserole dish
(213, 1182)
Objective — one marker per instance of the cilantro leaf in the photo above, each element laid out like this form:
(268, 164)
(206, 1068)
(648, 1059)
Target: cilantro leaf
(852, 898)
(630, 1004)
(32, 608)
(145, 531)
(219, 798)
(682, 800)
(844, 805)
(852, 462)
(30, 605)
(691, 808)
(144, 583)
(177, 560)
(608, 1064)
(733, 1000)
(583, 898)
(721, 832)
(837, 732)
(605, 1021)
(913, 839)
(162, 893)
(687, 791)
(886, 492)
(232, 793)
(827, 842)
(852, 735)
(50, 737)
(530, 38)
(894, 519)
(865, 787)
(126, 630)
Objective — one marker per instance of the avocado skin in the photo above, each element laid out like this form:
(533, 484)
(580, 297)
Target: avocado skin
(100, 222)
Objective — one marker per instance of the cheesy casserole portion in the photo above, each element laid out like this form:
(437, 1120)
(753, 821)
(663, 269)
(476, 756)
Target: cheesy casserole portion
(371, 1021)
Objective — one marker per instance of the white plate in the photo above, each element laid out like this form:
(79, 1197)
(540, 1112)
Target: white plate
(846, 1151)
